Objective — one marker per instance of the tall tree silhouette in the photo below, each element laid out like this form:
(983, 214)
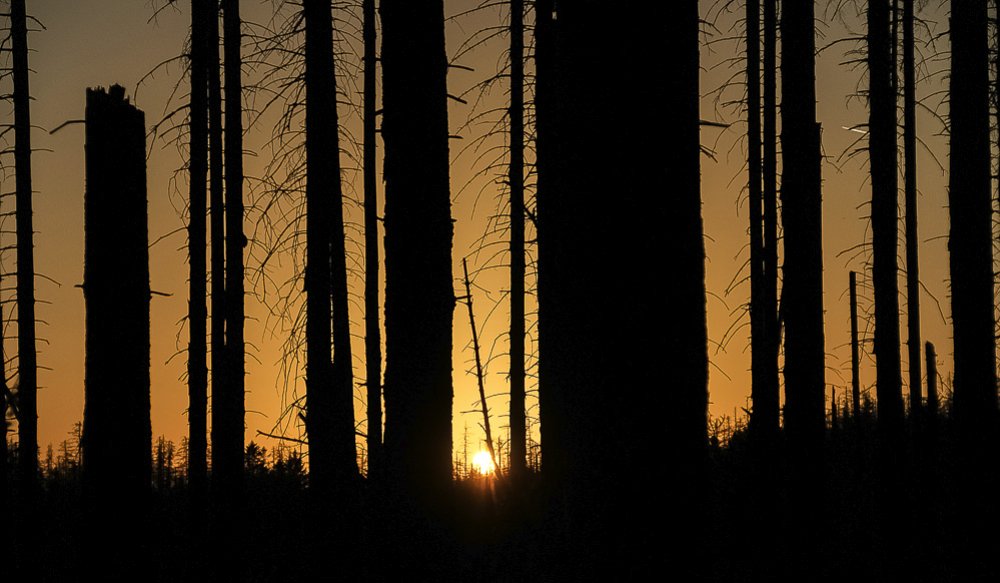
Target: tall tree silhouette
(227, 296)
(419, 295)
(27, 362)
(969, 241)
(590, 355)
(913, 342)
(855, 350)
(217, 257)
(802, 290)
(518, 449)
(373, 332)
(801, 204)
(227, 379)
(330, 396)
(197, 366)
(117, 432)
(882, 156)
(767, 404)
(762, 168)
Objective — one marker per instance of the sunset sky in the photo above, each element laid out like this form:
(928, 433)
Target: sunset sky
(88, 43)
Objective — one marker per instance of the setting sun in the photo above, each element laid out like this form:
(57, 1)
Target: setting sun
(483, 463)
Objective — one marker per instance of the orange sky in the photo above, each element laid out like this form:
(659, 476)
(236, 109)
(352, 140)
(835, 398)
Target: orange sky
(101, 42)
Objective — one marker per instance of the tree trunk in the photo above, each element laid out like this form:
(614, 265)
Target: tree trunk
(373, 333)
(855, 351)
(970, 246)
(419, 295)
(910, 196)
(27, 367)
(802, 212)
(769, 409)
(330, 385)
(549, 202)
(884, 219)
(802, 291)
(201, 18)
(117, 432)
(228, 384)
(518, 449)
(754, 196)
(227, 456)
(932, 394)
(969, 198)
(590, 354)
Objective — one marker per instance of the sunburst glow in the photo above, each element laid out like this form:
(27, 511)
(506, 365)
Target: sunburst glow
(483, 463)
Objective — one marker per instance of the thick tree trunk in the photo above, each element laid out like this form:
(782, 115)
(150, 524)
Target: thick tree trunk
(330, 385)
(802, 291)
(884, 219)
(373, 332)
(27, 367)
(518, 449)
(802, 214)
(419, 293)
(549, 202)
(970, 239)
(589, 353)
(970, 246)
(117, 432)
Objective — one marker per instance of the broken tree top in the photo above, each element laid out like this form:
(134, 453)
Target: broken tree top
(113, 98)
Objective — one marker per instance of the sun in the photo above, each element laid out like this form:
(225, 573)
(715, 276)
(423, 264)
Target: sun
(483, 463)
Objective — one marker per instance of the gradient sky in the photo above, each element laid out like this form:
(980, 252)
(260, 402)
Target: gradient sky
(100, 42)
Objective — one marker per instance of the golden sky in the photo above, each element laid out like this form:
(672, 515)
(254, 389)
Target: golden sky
(101, 42)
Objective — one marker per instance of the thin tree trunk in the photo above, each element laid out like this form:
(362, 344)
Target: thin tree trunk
(223, 460)
(27, 368)
(754, 189)
(932, 394)
(373, 333)
(479, 368)
(855, 351)
(518, 449)
(197, 310)
(769, 407)
(910, 195)
(884, 219)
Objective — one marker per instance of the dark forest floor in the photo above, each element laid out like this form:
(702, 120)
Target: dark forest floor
(920, 514)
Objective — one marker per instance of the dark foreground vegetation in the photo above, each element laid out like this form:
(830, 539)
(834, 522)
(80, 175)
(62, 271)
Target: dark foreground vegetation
(922, 512)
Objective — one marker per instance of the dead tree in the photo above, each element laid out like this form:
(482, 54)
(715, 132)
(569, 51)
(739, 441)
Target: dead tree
(518, 450)
(27, 362)
(884, 220)
(910, 197)
(117, 431)
(373, 333)
(197, 366)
